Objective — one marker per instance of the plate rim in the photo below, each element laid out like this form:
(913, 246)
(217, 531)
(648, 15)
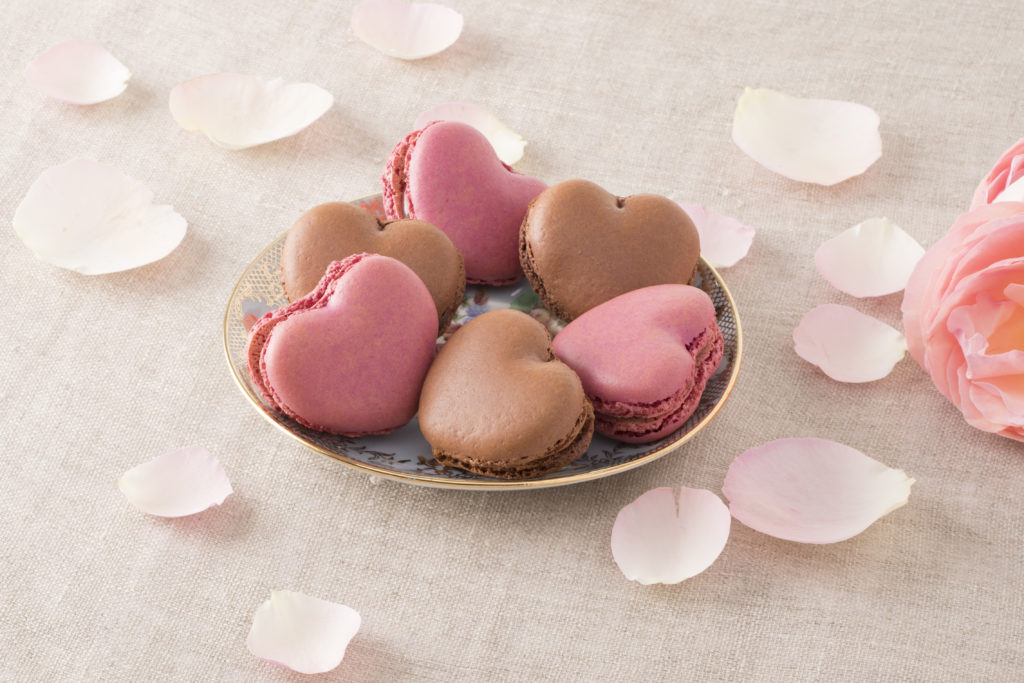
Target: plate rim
(474, 484)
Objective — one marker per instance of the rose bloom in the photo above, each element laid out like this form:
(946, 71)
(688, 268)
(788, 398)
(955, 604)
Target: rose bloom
(963, 314)
(1005, 182)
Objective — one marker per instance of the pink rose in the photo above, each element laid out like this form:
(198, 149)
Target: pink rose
(963, 314)
(1005, 182)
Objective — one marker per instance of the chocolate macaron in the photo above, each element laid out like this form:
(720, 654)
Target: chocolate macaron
(497, 402)
(580, 245)
(335, 231)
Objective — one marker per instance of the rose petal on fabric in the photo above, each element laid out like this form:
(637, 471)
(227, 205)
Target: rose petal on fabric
(406, 30)
(176, 484)
(848, 345)
(89, 217)
(812, 490)
(873, 258)
(237, 111)
(79, 72)
(810, 140)
(723, 240)
(507, 144)
(662, 538)
(303, 633)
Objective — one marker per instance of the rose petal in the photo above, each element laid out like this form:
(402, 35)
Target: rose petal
(1005, 182)
(176, 484)
(1014, 192)
(507, 143)
(723, 240)
(873, 258)
(237, 111)
(79, 72)
(814, 141)
(847, 345)
(303, 633)
(931, 278)
(812, 490)
(406, 30)
(91, 218)
(943, 339)
(659, 539)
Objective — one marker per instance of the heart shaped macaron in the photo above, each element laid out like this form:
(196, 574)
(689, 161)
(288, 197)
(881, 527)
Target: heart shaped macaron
(349, 357)
(580, 245)
(497, 402)
(644, 358)
(335, 231)
(447, 173)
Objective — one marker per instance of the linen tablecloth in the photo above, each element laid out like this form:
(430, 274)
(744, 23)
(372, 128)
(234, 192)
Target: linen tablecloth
(102, 373)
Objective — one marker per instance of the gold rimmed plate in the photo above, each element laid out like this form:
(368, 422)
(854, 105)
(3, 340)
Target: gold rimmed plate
(404, 454)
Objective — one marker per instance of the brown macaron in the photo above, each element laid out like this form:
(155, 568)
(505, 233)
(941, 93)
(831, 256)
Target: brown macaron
(497, 402)
(334, 231)
(580, 245)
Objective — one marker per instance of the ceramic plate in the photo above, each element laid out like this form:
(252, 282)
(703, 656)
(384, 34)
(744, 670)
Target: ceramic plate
(405, 454)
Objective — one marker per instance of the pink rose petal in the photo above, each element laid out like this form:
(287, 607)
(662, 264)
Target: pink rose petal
(79, 72)
(931, 277)
(91, 218)
(848, 345)
(723, 240)
(507, 144)
(950, 342)
(873, 258)
(236, 111)
(810, 140)
(991, 337)
(812, 490)
(406, 30)
(303, 633)
(1005, 182)
(659, 539)
(176, 484)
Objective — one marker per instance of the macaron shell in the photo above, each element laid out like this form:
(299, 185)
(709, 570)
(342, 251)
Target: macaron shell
(336, 230)
(580, 245)
(497, 398)
(448, 174)
(353, 362)
(633, 348)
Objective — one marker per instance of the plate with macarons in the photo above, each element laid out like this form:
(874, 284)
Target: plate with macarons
(473, 327)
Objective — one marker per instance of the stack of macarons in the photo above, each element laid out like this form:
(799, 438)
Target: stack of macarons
(354, 351)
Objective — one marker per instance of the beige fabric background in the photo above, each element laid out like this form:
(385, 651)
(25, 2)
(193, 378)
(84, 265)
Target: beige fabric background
(99, 374)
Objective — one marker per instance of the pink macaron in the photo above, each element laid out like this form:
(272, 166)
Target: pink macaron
(349, 357)
(644, 358)
(447, 173)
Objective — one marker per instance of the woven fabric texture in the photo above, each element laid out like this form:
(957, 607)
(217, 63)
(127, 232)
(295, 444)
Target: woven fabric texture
(102, 373)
